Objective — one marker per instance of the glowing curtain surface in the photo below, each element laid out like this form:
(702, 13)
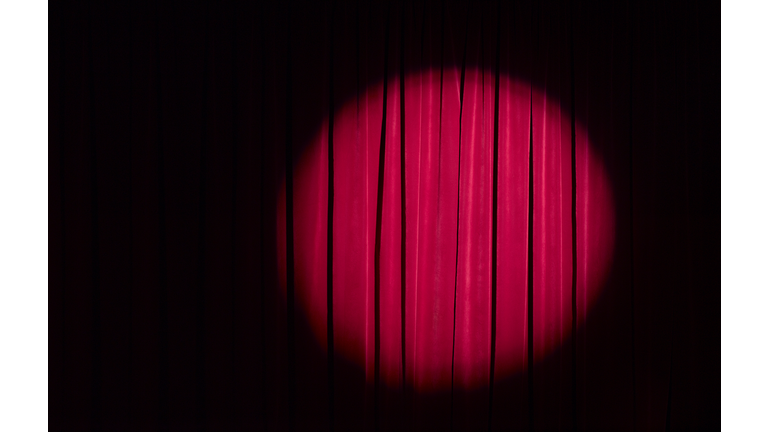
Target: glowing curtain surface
(435, 292)
(384, 216)
(434, 307)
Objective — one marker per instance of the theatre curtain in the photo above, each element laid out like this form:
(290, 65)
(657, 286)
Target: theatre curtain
(353, 216)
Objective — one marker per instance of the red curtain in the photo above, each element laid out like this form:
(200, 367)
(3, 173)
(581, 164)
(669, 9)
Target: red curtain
(416, 308)
(360, 216)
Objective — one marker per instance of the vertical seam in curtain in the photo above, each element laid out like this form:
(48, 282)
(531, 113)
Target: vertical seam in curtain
(263, 178)
(377, 245)
(574, 226)
(534, 12)
(130, 207)
(402, 191)
(329, 239)
(62, 163)
(440, 149)
(95, 294)
(365, 158)
(418, 198)
(289, 226)
(458, 206)
(676, 77)
(200, 295)
(530, 264)
(632, 223)
(494, 210)
(163, 247)
(235, 137)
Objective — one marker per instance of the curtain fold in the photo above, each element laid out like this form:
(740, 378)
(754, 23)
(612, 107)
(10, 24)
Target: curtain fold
(360, 216)
(438, 271)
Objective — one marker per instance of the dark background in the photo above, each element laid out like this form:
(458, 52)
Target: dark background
(169, 128)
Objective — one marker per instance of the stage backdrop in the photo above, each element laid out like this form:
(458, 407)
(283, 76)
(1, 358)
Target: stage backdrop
(392, 216)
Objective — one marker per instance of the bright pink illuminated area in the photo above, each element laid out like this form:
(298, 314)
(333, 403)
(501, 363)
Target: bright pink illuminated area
(448, 174)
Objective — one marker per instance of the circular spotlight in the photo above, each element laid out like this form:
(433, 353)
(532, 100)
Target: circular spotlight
(425, 308)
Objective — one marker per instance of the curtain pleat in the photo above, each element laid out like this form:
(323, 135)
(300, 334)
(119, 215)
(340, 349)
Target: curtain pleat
(384, 216)
(436, 290)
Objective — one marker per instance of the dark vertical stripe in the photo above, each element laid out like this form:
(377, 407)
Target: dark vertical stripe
(163, 264)
(377, 251)
(530, 267)
(235, 136)
(536, 18)
(329, 240)
(62, 167)
(674, 294)
(494, 232)
(291, 307)
(668, 420)
(402, 191)
(632, 224)
(263, 180)
(130, 211)
(357, 130)
(574, 248)
(458, 205)
(201, 269)
(95, 264)
(410, 389)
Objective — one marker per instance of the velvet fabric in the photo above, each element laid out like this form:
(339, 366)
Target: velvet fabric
(384, 216)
